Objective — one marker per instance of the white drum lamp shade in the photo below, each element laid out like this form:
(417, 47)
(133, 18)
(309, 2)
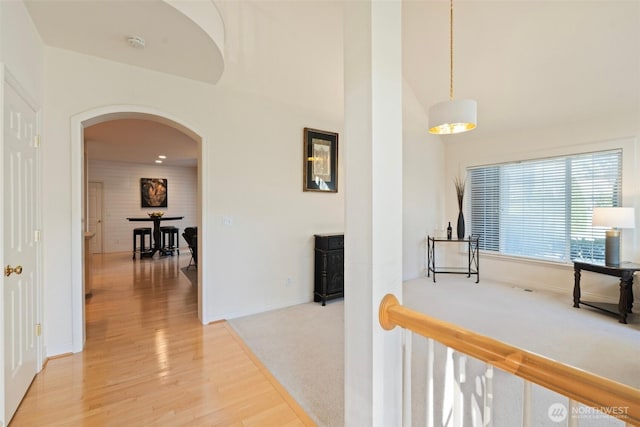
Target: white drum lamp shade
(454, 116)
(615, 219)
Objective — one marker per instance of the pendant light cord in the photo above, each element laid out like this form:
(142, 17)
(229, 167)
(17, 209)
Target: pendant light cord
(451, 50)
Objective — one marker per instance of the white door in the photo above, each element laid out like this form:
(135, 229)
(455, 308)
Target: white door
(20, 286)
(95, 216)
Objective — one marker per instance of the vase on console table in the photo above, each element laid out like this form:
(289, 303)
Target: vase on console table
(460, 226)
(459, 183)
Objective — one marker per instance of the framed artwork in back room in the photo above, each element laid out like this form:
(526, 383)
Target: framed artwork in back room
(153, 192)
(320, 161)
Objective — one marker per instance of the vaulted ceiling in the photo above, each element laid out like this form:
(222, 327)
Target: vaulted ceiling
(527, 63)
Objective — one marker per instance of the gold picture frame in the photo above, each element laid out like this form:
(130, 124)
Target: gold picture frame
(320, 161)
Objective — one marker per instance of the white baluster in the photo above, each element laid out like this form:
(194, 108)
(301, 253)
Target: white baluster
(429, 389)
(526, 405)
(488, 396)
(573, 421)
(459, 379)
(406, 388)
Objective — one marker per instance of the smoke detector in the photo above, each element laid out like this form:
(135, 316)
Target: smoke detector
(136, 42)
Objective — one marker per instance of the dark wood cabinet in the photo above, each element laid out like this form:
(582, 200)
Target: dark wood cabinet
(329, 267)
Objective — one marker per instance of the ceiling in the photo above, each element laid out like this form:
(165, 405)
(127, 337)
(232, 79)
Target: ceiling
(528, 63)
(139, 141)
(173, 44)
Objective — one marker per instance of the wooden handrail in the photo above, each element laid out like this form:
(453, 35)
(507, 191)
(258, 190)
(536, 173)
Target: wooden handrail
(610, 397)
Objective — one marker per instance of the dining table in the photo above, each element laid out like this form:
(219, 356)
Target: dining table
(156, 230)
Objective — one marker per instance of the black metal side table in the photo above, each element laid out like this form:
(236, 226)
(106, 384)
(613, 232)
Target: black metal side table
(473, 259)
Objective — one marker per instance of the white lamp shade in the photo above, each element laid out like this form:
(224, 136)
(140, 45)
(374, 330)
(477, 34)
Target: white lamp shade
(454, 116)
(614, 217)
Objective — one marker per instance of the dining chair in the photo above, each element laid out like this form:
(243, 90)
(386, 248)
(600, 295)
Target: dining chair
(190, 235)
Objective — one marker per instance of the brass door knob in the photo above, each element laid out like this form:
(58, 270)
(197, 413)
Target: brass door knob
(8, 270)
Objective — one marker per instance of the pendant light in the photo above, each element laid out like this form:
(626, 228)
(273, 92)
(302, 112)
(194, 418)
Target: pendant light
(454, 115)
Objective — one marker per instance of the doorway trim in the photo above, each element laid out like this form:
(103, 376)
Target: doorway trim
(78, 225)
(87, 216)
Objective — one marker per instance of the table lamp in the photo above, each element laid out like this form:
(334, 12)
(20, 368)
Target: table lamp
(615, 218)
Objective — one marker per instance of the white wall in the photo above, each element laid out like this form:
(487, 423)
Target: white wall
(617, 131)
(253, 169)
(21, 49)
(121, 198)
(253, 120)
(423, 189)
(255, 178)
(258, 185)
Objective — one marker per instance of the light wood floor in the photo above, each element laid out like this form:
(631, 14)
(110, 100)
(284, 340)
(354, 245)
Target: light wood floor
(148, 361)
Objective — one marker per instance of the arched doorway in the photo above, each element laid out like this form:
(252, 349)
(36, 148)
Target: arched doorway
(78, 123)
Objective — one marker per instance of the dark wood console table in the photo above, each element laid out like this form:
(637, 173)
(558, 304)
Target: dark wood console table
(473, 259)
(329, 267)
(624, 271)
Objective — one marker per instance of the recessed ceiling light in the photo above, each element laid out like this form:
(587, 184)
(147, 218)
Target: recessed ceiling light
(162, 156)
(158, 161)
(136, 42)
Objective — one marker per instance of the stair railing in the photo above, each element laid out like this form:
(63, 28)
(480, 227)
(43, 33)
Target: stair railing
(580, 386)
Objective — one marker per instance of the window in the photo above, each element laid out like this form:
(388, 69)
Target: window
(542, 208)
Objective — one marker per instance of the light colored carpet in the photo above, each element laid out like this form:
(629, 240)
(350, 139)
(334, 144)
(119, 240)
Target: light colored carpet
(303, 345)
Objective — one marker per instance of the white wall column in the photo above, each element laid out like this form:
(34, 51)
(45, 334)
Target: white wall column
(373, 203)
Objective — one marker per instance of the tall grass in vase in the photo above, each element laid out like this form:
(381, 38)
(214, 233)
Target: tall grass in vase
(460, 184)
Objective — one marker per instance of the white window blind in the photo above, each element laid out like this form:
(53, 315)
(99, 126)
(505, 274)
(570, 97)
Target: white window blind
(542, 208)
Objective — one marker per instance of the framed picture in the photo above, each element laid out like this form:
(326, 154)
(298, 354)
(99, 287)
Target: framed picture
(320, 161)
(153, 192)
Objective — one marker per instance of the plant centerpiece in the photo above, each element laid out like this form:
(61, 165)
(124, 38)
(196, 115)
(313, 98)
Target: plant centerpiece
(155, 214)
(460, 184)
